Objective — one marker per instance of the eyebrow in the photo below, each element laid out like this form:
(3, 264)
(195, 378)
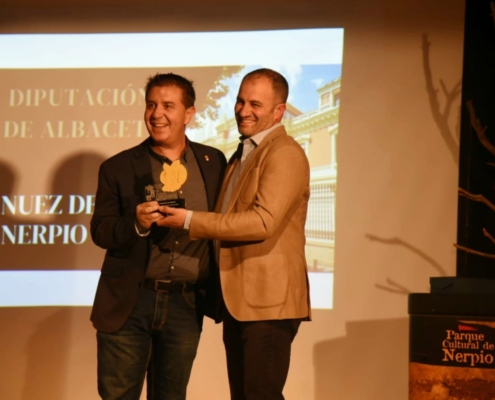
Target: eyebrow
(160, 102)
(249, 101)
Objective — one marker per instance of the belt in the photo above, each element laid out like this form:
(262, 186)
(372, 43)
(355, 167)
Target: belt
(168, 286)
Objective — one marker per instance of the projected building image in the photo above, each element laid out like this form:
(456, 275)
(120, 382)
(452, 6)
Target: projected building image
(315, 130)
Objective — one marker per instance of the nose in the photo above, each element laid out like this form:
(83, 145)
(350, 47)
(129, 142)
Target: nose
(157, 111)
(243, 110)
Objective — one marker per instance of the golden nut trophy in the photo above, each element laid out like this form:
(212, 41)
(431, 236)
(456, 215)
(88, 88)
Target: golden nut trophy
(172, 177)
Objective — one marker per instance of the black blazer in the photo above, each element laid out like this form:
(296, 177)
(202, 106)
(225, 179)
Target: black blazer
(121, 183)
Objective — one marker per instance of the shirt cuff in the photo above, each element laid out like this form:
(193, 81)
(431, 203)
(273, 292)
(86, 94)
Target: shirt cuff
(141, 234)
(187, 221)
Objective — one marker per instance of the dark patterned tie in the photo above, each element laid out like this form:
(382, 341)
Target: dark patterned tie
(238, 152)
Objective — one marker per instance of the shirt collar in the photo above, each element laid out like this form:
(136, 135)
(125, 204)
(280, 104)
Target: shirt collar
(184, 156)
(256, 139)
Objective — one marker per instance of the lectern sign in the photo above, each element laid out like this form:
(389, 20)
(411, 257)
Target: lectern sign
(451, 357)
(453, 341)
(467, 346)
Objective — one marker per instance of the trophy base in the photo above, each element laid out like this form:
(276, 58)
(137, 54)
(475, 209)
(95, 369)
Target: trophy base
(175, 203)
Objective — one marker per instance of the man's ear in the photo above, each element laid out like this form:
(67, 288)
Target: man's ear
(279, 111)
(189, 115)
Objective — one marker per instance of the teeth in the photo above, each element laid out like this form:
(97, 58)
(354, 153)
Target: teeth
(159, 125)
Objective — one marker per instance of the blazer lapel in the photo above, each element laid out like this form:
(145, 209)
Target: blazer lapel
(142, 167)
(228, 174)
(251, 162)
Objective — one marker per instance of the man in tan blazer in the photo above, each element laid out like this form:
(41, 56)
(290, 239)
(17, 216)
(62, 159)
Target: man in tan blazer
(259, 227)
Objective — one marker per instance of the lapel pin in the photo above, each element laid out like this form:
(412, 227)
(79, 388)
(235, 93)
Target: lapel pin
(207, 158)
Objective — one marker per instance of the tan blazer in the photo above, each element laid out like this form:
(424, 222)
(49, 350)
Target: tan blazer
(262, 263)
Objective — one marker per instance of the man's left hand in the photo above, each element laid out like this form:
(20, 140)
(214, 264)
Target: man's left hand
(173, 217)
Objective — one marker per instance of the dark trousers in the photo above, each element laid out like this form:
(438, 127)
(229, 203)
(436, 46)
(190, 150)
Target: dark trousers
(258, 356)
(159, 341)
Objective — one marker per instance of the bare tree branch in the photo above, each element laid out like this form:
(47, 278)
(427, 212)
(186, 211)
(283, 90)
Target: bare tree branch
(450, 96)
(477, 197)
(441, 118)
(480, 131)
(488, 235)
(393, 287)
(415, 250)
(471, 251)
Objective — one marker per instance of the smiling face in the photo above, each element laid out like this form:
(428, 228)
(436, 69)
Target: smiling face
(258, 107)
(166, 116)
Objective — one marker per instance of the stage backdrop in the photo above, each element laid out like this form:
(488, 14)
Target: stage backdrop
(384, 164)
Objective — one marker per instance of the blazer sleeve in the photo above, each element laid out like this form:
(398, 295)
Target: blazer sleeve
(112, 224)
(279, 185)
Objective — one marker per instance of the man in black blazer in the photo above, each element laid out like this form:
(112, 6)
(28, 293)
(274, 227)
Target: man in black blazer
(155, 284)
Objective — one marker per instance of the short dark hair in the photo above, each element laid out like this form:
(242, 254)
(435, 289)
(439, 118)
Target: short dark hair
(279, 83)
(171, 79)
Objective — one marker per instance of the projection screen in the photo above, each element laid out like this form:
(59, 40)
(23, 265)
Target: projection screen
(69, 101)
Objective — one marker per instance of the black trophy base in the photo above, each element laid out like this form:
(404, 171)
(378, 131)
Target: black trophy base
(174, 203)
